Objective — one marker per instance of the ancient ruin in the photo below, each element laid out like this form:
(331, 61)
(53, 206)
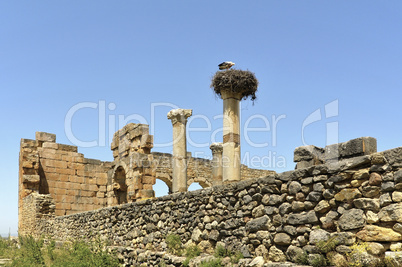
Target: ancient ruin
(355, 197)
(344, 193)
(68, 183)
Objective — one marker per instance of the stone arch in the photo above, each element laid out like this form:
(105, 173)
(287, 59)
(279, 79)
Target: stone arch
(204, 183)
(120, 184)
(167, 179)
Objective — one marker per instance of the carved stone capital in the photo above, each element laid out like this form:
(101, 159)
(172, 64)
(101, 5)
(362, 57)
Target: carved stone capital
(179, 115)
(216, 148)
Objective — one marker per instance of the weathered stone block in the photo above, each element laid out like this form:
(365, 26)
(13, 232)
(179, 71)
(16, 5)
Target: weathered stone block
(378, 234)
(262, 223)
(276, 255)
(372, 217)
(67, 148)
(318, 235)
(282, 239)
(352, 219)
(375, 179)
(302, 218)
(45, 137)
(294, 187)
(322, 206)
(397, 196)
(391, 213)
(306, 153)
(352, 148)
(348, 194)
(398, 176)
(367, 204)
(33, 179)
(394, 157)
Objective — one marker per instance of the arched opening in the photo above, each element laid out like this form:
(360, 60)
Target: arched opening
(198, 183)
(161, 188)
(120, 186)
(163, 184)
(194, 186)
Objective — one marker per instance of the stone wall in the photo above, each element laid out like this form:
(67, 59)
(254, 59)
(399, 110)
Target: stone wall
(357, 197)
(36, 207)
(77, 184)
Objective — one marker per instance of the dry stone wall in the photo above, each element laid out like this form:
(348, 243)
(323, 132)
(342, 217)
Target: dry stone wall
(353, 198)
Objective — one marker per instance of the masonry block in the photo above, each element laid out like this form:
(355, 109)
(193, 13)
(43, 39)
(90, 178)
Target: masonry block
(146, 193)
(102, 188)
(352, 148)
(306, 153)
(50, 145)
(147, 186)
(147, 179)
(64, 178)
(45, 137)
(59, 212)
(33, 179)
(68, 148)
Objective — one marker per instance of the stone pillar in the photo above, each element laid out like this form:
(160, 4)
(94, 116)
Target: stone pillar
(231, 136)
(179, 121)
(217, 150)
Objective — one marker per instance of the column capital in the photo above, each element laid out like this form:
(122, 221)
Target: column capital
(226, 94)
(179, 115)
(216, 148)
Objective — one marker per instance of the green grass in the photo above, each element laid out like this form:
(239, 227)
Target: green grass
(191, 252)
(212, 263)
(34, 252)
(222, 252)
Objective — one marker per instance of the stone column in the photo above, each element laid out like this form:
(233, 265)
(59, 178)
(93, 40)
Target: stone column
(179, 121)
(217, 150)
(231, 136)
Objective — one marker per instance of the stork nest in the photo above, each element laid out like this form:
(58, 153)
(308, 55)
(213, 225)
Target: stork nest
(237, 81)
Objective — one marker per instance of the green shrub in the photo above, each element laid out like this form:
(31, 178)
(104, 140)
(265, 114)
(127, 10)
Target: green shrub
(302, 258)
(318, 261)
(212, 263)
(191, 252)
(327, 246)
(83, 254)
(357, 253)
(174, 244)
(236, 257)
(222, 252)
(50, 250)
(30, 253)
(35, 253)
(7, 248)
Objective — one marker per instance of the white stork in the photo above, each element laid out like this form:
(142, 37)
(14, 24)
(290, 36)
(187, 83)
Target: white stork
(226, 65)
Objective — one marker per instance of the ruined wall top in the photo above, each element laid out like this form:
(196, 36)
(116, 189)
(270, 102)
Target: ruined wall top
(132, 138)
(307, 156)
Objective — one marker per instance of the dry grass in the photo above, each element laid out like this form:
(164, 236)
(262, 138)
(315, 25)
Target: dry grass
(238, 81)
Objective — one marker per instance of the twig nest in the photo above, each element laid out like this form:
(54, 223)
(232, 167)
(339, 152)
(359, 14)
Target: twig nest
(236, 81)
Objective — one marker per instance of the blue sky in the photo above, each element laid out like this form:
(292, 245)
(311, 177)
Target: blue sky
(141, 58)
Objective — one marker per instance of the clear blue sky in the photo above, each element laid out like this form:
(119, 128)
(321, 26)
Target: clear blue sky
(135, 55)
